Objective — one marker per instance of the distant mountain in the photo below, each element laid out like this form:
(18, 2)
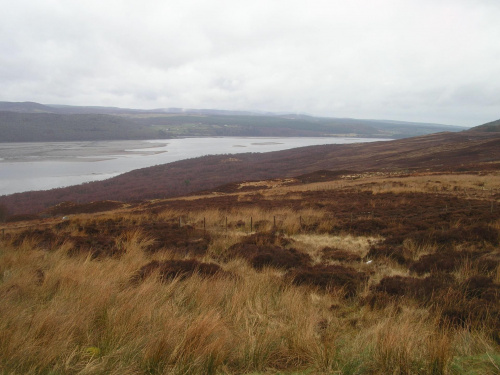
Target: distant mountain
(24, 122)
(493, 126)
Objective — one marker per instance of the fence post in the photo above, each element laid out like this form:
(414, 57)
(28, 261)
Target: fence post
(180, 222)
(251, 224)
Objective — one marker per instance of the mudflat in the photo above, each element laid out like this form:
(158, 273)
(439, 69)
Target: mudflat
(85, 151)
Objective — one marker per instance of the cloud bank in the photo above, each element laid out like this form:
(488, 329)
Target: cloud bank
(432, 61)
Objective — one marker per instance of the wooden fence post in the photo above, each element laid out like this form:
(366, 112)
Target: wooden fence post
(251, 224)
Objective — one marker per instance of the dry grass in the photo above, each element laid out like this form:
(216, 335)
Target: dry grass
(65, 313)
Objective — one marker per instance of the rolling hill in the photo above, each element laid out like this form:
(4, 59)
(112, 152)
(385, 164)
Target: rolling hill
(28, 122)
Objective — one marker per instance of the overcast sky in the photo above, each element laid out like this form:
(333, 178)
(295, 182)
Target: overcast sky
(414, 60)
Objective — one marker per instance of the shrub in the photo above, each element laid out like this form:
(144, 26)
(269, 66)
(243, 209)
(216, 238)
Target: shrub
(4, 213)
(327, 277)
(186, 239)
(260, 256)
(266, 238)
(391, 252)
(488, 262)
(420, 289)
(22, 217)
(445, 261)
(44, 239)
(329, 253)
(480, 286)
(97, 246)
(182, 269)
(368, 226)
(449, 261)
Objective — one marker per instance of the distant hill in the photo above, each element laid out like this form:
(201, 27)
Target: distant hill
(25, 107)
(39, 127)
(22, 122)
(493, 126)
(446, 151)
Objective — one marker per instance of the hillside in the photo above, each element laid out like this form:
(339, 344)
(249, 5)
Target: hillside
(493, 126)
(26, 122)
(51, 127)
(464, 151)
(371, 273)
(25, 107)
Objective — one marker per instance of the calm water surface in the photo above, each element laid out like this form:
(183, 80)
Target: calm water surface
(48, 165)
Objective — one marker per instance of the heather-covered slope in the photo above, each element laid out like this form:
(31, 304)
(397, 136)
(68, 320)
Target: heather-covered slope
(493, 126)
(465, 150)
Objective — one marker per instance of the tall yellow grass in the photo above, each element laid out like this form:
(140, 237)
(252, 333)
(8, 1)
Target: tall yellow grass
(74, 315)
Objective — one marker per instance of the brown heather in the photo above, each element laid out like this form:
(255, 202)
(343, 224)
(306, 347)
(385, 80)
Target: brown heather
(367, 274)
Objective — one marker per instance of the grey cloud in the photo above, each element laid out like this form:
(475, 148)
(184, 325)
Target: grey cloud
(413, 60)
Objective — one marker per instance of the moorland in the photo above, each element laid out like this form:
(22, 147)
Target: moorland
(380, 258)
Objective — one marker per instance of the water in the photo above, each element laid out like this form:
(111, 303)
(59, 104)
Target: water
(48, 165)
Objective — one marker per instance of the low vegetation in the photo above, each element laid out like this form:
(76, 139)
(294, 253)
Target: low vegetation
(372, 273)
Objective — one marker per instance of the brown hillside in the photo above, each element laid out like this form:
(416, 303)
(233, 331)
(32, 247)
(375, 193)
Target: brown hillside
(493, 126)
(446, 151)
